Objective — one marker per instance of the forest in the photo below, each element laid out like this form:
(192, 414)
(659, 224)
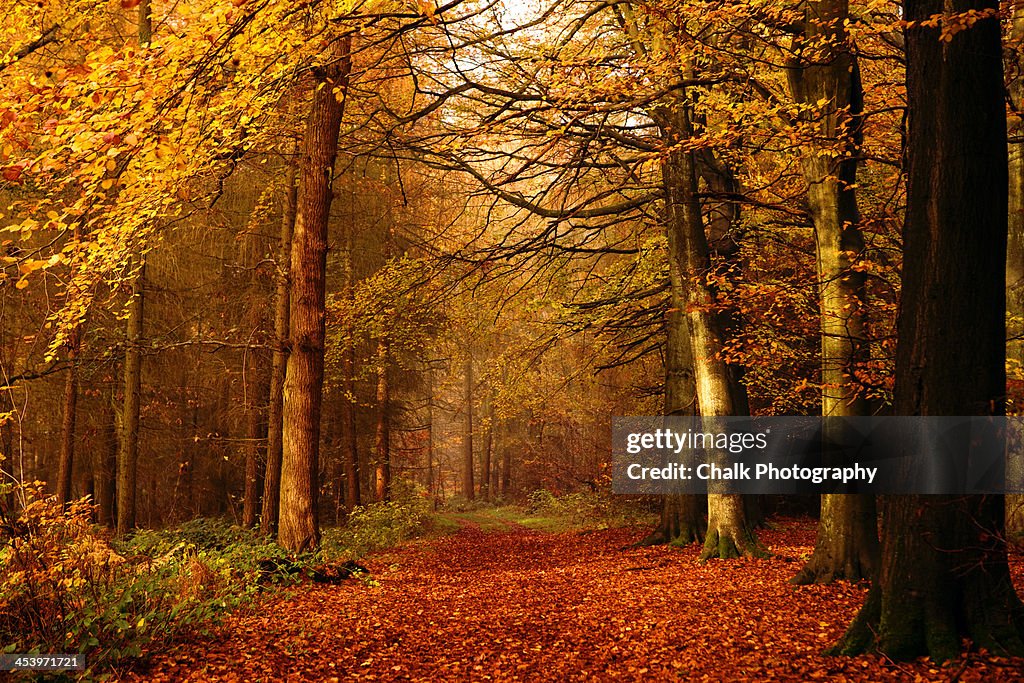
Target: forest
(315, 319)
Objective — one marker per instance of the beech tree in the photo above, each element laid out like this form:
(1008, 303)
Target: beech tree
(944, 576)
(825, 76)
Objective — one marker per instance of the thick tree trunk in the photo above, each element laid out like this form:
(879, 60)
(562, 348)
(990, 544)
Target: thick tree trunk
(944, 576)
(128, 451)
(299, 528)
(1015, 262)
(682, 516)
(382, 441)
(275, 409)
(467, 431)
(728, 533)
(824, 75)
(69, 418)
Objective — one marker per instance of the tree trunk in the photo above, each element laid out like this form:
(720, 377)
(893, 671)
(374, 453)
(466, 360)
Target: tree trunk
(254, 455)
(105, 467)
(430, 431)
(505, 485)
(303, 389)
(1015, 264)
(467, 431)
(382, 441)
(682, 516)
(944, 575)
(275, 409)
(824, 75)
(485, 455)
(349, 438)
(70, 414)
(128, 451)
(728, 533)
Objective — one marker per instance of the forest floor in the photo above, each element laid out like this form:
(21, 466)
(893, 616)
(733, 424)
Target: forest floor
(506, 603)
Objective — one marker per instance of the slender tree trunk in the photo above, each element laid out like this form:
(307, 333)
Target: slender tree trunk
(505, 486)
(430, 431)
(299, 528)
(382, 443)
(128, 452)
(1015, 263)
(349, 438)
(467, 431)
(70, 415)
(254, 455)
(275, 408)
(485, 455)
(105, 467)
(824, 75)
(128, 455)
(944, 575)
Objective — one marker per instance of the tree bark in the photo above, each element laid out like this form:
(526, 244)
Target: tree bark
(349, 438)
(275, 409)
(505, 481)
(682, 516)
(430, 431)
(254, 455)
(382, 442)
(467, 431)
(824, 75)
(944, 575)
(69, 418)
(105, 467)
(1015, 263)
(128, 451)
(485, 455)
(728, 533)
(303, 389)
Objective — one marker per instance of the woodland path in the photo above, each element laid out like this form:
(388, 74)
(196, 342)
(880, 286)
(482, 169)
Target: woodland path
(525, 605)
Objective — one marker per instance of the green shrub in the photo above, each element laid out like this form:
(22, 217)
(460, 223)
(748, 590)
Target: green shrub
(586, 508)
(381, 525)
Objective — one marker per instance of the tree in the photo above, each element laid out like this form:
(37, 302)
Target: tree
(272, 477)
(303, 388)
(944, 575)
(467, 429)
(128, 452)
(825, 77)
(1015, 249)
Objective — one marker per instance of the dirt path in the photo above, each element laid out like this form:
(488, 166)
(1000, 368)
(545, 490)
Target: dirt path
(525, 605)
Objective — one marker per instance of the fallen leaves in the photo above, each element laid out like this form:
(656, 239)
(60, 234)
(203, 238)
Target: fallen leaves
(521, 605)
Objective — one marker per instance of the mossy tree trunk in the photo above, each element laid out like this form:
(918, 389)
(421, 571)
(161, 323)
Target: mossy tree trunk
(823, 74)
(944, 576)
(728, 532)
(682, 516)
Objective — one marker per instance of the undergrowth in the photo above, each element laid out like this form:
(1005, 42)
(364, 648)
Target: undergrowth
(66, 586)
